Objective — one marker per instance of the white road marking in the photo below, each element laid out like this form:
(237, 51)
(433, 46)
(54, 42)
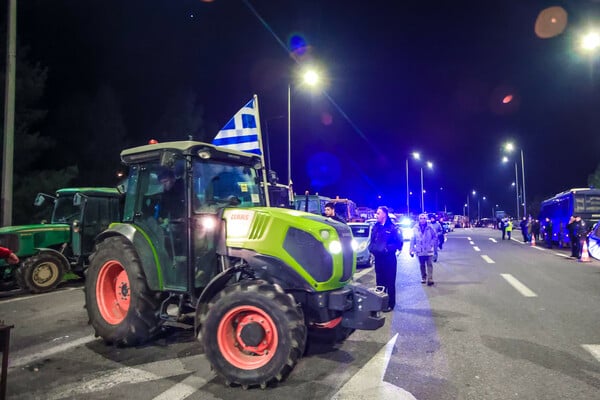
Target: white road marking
(521, 288)
(562, 255)
(469, 238)
(476, 248)
(488, 259)
(131, 375)
(37, 355)
(538, 248)
(368, 382)
(471, 243)
(594, 349)
(493, 240)
(37, 296)
(183, 389)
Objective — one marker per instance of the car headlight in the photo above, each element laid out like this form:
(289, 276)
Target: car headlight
(362, 246)
(335, 247)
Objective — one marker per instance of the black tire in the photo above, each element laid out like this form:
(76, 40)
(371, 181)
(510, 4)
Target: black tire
(123, 311)
(40, 273)
(279, 328)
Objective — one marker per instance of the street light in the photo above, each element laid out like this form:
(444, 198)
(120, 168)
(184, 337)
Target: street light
(312, 78)
(515, 183)
(430, 166)
(509, 147)
(416, 156)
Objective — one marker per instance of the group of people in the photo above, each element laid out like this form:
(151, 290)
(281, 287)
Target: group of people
(387, 239)
(532, 229)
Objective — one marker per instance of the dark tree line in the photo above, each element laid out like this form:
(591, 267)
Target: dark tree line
(78, 142)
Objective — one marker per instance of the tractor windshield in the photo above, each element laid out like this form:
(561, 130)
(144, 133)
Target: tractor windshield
(64, 211)
(217, 185)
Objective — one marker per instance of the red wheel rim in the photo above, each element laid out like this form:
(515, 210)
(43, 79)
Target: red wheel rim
(113, 292)
(233, 348)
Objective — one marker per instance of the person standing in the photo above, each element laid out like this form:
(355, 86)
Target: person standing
(330, 212)
(503, 223)
(423, 243)
(508, 228)
(439, 231)
(8, 255)
(548, 232)
(524, 229)
(581, 232)
(535, 229)
(386, 238)
(573, 238)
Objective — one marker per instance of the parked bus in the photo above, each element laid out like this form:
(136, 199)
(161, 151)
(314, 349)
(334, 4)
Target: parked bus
(584, 202)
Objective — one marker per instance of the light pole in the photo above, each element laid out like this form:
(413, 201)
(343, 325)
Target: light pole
(430, 166)
(417, 156)
(516, 183)
(311, 78)
(509, 147)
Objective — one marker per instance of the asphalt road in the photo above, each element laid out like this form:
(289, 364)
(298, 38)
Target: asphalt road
(504, 321)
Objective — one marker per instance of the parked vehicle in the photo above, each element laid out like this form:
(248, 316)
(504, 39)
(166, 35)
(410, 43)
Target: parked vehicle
(251, 281)
(48, 251)
(361, 231)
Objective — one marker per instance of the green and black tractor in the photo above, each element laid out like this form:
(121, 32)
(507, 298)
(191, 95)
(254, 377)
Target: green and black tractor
(49, 251)
(252, 281)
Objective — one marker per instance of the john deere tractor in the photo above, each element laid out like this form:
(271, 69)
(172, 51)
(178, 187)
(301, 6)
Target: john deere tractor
(48, 251)
(251, 281)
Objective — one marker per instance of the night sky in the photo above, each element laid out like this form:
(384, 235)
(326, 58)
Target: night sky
(401, 77)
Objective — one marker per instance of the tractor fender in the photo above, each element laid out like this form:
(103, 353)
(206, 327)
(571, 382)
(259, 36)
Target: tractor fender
(143, 246)
(65, 261)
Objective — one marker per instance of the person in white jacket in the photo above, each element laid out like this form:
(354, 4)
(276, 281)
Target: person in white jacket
(423, 244)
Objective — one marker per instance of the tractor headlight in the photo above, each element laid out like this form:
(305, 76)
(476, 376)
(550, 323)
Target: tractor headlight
(325, 234)
(355, 245)
(335, 247)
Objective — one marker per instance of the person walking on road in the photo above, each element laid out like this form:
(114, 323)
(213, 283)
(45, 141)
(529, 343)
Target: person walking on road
(386, 238)
(439, 231)
(423, 243)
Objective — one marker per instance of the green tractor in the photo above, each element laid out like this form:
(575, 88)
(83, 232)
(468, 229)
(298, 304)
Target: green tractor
(48, 251)
(251, 281)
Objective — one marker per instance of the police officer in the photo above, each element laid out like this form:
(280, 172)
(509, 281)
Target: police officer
(385, 240)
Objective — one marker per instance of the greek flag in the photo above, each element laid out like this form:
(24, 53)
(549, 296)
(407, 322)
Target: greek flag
(241, 132)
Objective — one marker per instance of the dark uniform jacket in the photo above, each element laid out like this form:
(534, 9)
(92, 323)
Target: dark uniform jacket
(386, 238)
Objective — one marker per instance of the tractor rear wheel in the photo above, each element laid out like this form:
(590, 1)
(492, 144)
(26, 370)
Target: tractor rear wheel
(121, 307)
(41, 272)
(253, 333)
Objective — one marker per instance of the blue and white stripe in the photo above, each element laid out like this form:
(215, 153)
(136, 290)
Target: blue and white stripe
(241, 132)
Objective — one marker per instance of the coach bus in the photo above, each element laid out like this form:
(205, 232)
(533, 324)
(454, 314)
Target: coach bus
(584, 202)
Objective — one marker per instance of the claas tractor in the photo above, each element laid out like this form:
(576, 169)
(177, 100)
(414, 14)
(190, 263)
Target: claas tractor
(50, 251)
(251, 281)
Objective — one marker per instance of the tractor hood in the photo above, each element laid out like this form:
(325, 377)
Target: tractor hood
(36, 228)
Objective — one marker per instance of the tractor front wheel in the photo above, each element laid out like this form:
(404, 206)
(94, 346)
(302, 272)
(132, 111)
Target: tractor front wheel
(253, 333)
(41, 272)
(120, 306)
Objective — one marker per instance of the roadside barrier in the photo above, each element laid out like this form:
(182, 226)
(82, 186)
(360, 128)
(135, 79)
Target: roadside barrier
(585, 255)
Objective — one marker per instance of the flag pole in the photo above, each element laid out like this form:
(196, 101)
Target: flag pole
(262, 153)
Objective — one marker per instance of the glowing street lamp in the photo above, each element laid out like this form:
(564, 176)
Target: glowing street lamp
(417, 156)
(311, 78)
(590, 41)
(509, 147)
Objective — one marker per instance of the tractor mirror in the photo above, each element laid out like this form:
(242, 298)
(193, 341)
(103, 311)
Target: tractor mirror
(39, 200)
(77, 199)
